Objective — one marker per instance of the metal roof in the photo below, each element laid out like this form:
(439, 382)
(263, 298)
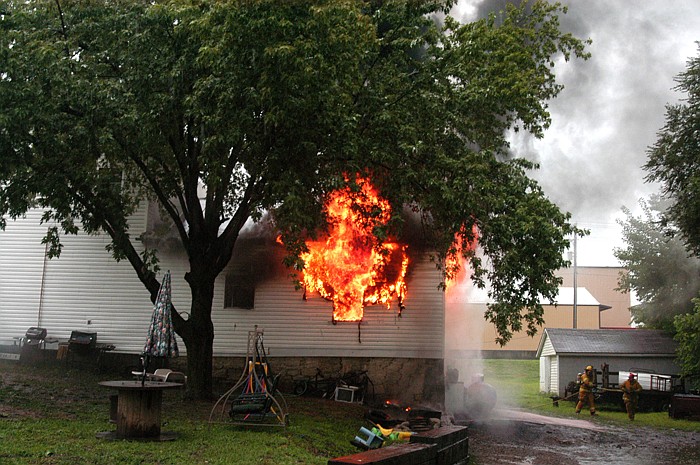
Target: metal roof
(610, 341)
(565, 296)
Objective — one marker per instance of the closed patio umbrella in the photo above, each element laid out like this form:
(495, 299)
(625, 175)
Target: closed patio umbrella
(160, 341)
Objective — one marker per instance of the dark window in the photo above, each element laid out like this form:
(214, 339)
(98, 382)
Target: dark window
(240, 290)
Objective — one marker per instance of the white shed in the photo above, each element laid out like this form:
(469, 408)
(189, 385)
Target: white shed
(563, 353)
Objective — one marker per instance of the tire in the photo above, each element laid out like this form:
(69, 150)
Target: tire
(300, 387)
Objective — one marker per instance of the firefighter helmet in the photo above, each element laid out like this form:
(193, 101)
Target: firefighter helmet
(589, 368)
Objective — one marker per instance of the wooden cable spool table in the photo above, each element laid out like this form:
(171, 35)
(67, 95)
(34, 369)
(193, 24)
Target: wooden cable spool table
(139, 410)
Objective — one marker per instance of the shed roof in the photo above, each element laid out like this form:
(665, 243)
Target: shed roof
(609, 341)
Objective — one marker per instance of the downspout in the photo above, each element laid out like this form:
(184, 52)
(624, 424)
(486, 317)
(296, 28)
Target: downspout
(41, 291)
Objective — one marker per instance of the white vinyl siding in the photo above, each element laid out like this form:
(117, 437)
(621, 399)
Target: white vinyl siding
(547, 347)
(554, 375)
(86, 290)
(21, 270)
(297, 327)
(549, 367)
(549, 374)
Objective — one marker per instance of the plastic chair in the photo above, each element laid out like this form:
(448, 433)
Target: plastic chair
(167, 375)
(372, 441)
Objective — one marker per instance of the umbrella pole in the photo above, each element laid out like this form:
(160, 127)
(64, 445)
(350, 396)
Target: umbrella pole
(144, 362)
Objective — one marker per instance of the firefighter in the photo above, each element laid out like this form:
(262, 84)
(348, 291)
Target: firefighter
(585, 391)
(630, 394)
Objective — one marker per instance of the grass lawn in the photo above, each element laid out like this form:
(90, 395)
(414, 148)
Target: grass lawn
(51, 414)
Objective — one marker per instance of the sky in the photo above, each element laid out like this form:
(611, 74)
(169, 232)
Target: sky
(610, 110)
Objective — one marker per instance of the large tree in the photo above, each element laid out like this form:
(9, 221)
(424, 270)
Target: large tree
(269, 106)
(688, 337)
(664, 277)
(674, 161)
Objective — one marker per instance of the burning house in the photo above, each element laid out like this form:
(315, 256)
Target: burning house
(362, 305)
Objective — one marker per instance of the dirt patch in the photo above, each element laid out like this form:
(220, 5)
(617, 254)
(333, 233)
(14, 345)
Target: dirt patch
(40, 392)
(7, 411)
(533, 439)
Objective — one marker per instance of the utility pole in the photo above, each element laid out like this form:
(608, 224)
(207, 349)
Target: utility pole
(575, 285)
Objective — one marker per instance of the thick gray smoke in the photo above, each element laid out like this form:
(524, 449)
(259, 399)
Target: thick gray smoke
(611, 107)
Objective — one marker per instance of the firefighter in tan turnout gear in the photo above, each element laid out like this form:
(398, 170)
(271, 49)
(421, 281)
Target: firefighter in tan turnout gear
(585, 391)
(630, 394)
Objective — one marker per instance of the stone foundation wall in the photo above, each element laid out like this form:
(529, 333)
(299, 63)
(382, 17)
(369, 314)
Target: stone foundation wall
(409, 381)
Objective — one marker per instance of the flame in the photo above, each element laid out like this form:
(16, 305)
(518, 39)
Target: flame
(352, 267)
(397, 404)
(456, 265)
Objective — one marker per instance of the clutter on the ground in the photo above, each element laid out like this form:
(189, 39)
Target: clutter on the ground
(395, 423)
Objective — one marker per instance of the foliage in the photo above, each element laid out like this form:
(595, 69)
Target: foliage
(674, 160)
(268, 106)
(659, 270)
(688, 336)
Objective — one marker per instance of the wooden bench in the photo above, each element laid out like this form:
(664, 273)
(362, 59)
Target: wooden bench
(396, 454)
(452, 443)
(448, 445)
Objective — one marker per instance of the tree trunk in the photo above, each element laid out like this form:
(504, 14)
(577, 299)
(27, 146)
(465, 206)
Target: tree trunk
(198, 335)
(200, 351)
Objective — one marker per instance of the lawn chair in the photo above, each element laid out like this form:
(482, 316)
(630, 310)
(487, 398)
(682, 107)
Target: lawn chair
(167, 375)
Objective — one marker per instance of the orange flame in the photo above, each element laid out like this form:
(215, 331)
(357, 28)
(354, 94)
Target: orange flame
(455, 265)
(351, 267)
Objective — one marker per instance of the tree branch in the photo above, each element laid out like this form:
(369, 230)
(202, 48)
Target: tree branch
(160, 194)
(190, 177)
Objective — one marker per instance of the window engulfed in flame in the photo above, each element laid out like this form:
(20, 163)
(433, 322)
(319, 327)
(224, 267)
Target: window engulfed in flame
(352, 268)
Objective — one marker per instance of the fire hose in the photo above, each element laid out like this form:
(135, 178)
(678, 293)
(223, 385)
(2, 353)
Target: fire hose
(596, 392)
(556, 399)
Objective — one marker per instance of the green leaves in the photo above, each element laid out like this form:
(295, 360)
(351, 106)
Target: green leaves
(665, 277)
(267, 106)
(674, 160)
(660, 271)
(687, 328)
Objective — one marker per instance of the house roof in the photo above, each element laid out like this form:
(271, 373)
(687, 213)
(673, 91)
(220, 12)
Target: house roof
(609, 341)
(565, 296)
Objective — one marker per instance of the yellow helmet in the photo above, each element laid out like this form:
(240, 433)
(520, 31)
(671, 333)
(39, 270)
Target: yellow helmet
(589, 368)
